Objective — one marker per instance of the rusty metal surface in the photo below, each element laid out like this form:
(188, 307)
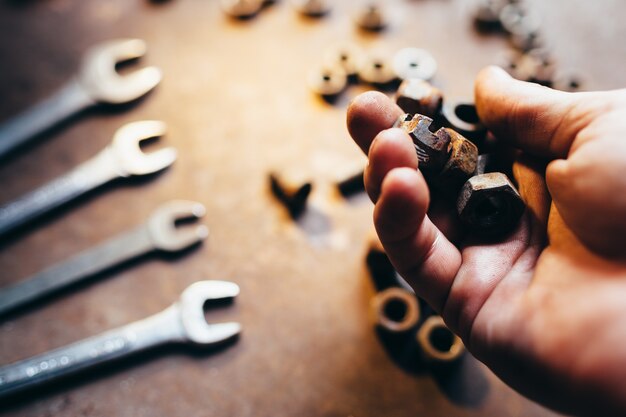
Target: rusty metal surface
(235, 98)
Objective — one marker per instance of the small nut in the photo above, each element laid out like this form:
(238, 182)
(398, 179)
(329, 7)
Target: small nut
(432, 148)
(241, 8)
(489, 204)
(437, 343)
(371, 17)
(345, 55)
(487, 14)
(328, 81)
(414, 63)
(375, 69)
(463, 117)
(569, 81)
(517, 20)
(461, 164)
(419, 96)
(527, 41)
(311, 8)
(395, 310)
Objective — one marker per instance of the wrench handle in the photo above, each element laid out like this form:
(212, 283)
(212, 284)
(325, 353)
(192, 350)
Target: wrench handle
(83, 265)
(66, 102)
(153, 331)
(85, 177)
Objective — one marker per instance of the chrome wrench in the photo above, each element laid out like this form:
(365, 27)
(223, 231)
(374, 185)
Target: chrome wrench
(97, 82)
(158, 233)
(122, 158)
(183, 322)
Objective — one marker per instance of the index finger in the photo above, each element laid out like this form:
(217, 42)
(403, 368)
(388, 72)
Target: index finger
(369, 114)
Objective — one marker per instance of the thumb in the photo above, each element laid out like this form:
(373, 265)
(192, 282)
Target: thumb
(536, 119)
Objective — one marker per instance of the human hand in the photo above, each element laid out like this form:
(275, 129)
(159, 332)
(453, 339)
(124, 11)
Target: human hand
(545, 308)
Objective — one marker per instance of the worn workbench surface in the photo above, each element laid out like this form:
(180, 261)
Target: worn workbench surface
(235, 99)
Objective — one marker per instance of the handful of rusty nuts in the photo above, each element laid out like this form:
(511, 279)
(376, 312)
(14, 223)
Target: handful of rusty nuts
(487, 203)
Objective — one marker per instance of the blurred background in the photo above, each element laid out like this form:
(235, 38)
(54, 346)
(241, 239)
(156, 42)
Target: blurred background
(237, 100)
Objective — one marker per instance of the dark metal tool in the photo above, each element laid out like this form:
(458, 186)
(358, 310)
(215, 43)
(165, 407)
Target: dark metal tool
(122, 158)
(97, 82)
(182, 322)
(158, 233)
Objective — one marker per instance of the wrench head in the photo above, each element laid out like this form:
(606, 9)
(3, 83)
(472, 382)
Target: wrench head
(131, 160)
(192, 302)
(101, 80)
(163, 230)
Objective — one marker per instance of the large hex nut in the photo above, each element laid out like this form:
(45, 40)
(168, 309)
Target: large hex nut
(461, 164)
(419, 96)
(489, 204)
(432, 148)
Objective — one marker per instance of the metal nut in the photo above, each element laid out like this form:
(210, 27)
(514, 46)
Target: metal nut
(461, 164)
(375, 69)
(371, 17)
(487, 14)
(463, 117)
(345, 55)
(438, 343)
(311, 8)
(517, 20)
(432, 148)
(395, 310)
(414, 63)
(241, 8)
(419, 96)
(328, 81)
(489, 204)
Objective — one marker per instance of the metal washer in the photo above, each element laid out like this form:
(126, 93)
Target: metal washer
(414, 63)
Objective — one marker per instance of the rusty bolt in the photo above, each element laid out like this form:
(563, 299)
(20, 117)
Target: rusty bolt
(461, 164)
(432, 148)
(419, 96)
(489, 204)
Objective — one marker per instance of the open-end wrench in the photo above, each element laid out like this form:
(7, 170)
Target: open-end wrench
(122, 158)
(183, 322)
(96, 83)
(158, 233)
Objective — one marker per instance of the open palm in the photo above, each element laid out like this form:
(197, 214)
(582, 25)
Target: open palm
(545, 308)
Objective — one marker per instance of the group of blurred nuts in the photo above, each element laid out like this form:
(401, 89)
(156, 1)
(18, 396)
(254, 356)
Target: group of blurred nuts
(369, 16)
(347, 63)
(529, 60)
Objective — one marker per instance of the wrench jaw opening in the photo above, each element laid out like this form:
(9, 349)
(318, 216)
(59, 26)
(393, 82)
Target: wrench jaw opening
(192, 302)
(131, 160)
(100, 78)
(166, 235)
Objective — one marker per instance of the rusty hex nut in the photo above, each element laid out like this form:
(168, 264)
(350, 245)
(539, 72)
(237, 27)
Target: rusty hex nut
(489, 204)
(419, 96)
(461, 164)
(432, 148)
